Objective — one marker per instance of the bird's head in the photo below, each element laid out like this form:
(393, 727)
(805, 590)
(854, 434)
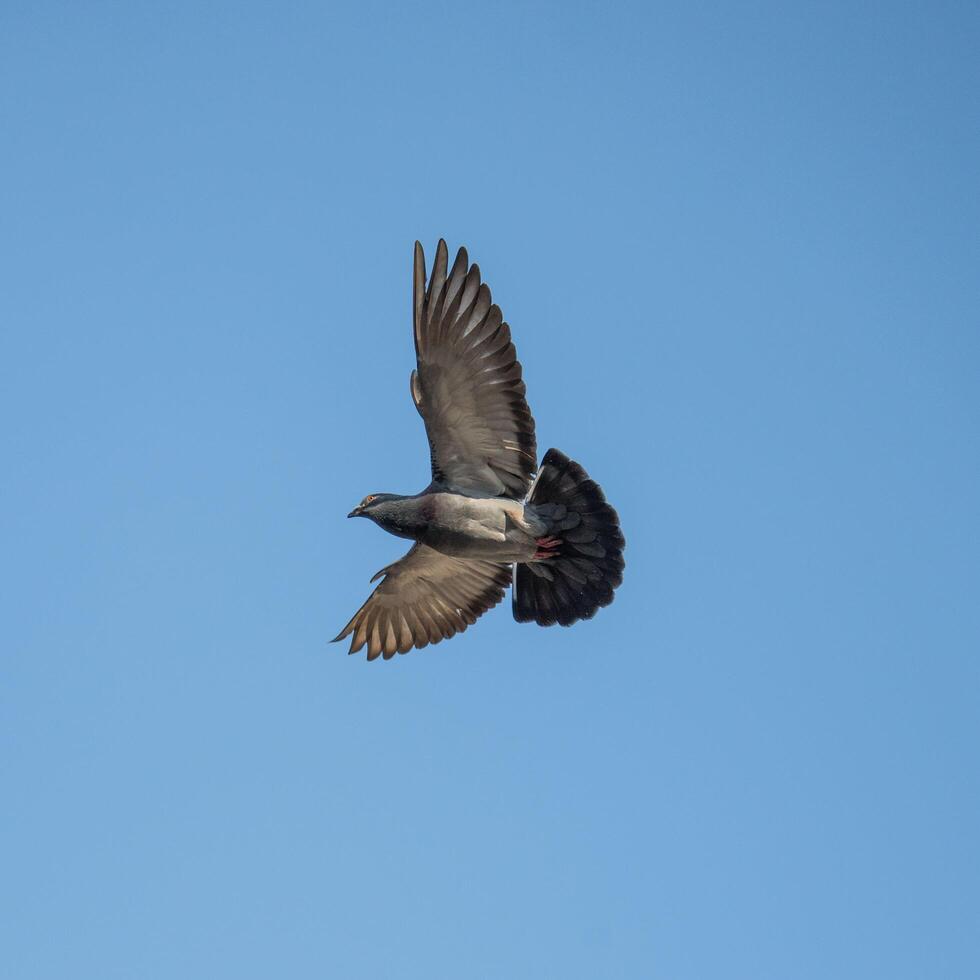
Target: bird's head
(370, 506)
(390, 511)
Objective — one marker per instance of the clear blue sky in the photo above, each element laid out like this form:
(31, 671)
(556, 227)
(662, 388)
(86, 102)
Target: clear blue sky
(738, 249)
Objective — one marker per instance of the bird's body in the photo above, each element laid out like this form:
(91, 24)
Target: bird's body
(491, 528)
(490, 515)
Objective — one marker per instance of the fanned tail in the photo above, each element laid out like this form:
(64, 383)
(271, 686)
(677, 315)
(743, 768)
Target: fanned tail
(586, 565)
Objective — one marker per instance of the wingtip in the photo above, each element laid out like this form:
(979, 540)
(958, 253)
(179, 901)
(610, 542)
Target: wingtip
(343, 636)
(344, 633)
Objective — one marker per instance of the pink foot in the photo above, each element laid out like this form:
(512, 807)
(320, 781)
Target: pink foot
(547, 548)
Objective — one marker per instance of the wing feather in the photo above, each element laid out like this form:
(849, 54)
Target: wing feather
(468, 385)
(423, 598)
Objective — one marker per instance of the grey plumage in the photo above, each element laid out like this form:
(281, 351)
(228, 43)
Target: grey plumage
(472, 526)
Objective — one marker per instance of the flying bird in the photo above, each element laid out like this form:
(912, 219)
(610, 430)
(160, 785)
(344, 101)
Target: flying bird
(490, 517)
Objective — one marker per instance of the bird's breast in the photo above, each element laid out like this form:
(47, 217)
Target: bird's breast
(491, 528)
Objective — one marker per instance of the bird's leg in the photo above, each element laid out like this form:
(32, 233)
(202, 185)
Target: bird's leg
(547, 548)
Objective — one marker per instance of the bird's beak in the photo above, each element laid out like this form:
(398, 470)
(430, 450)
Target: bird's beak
(356, 512)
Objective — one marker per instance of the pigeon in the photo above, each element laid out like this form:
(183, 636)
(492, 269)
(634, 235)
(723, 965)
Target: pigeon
(491, 517)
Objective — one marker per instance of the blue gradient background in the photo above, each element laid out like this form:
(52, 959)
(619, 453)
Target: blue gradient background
(738, 247)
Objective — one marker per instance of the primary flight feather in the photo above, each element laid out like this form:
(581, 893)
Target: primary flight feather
(489, 517)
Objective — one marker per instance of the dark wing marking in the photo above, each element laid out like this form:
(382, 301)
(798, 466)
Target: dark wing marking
(468, 387)
(424, 597)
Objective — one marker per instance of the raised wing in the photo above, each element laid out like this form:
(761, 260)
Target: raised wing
(424, 597)
(468, 386)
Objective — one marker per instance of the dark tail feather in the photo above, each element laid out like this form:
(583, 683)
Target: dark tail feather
(589, 564)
